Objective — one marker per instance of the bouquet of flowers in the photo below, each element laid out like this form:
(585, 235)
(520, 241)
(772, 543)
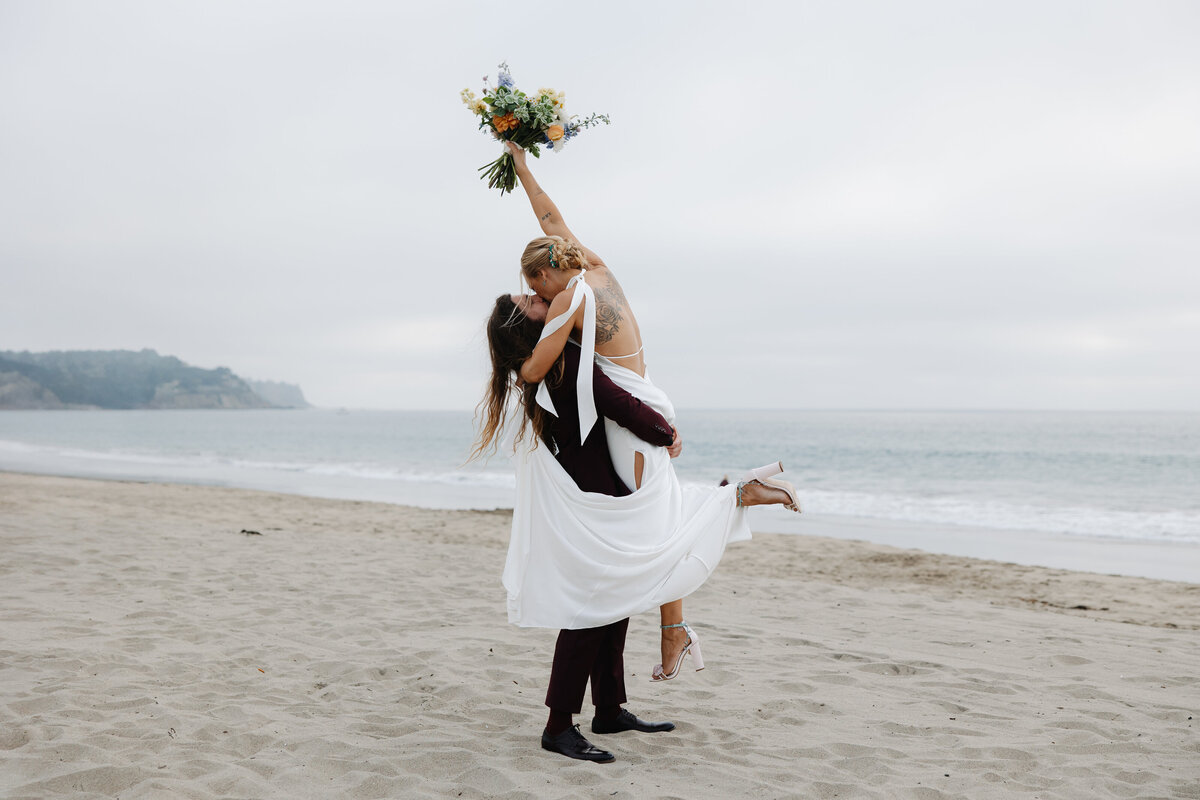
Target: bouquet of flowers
(528, 121)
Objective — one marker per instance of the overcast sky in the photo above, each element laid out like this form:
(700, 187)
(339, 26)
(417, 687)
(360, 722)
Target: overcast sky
(810, 205)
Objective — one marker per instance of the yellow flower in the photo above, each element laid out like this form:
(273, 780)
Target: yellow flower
(554, 132)
(468, 97)
(478, 106)
(557, 97)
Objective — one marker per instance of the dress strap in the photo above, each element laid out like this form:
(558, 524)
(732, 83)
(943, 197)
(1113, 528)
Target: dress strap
(631, 355)
(584, 295)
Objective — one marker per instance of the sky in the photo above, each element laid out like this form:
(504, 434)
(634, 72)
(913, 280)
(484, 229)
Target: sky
(945, 205)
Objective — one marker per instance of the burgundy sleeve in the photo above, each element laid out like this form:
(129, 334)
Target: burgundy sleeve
(629, 412)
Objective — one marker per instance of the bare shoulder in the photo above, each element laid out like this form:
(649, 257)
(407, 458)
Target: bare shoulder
(605, 279)
(560, 301)
(594, 261)
(559, 305)
(600, 276)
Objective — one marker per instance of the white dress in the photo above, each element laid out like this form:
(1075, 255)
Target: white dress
(580, 559)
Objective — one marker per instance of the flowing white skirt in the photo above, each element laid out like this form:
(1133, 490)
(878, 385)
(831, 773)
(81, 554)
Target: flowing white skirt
(579, 559)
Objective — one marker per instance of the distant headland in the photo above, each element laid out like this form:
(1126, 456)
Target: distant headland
(122, 379)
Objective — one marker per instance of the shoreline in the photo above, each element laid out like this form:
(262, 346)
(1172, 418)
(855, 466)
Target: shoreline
(1160, 560)
(836, 551)
(150, 646)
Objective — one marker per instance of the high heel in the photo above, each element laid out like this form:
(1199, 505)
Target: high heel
(762, 475)
(692, 646)
(787, 487)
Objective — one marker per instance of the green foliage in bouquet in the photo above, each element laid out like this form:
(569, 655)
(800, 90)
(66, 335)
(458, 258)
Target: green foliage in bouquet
(529, 121)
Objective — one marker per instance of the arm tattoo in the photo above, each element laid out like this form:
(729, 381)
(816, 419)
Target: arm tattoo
(545, 216)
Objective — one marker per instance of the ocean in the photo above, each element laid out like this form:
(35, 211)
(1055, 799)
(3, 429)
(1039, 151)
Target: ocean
(1128, 476)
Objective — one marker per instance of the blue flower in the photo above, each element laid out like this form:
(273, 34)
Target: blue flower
(504, 78)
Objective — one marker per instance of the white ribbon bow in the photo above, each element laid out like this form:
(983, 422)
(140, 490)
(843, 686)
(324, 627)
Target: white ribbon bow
(583, 381)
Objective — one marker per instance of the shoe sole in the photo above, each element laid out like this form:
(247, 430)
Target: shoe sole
(611, 758)
(624, 730)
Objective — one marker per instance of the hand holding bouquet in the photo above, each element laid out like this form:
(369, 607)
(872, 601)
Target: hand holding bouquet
(528, 121)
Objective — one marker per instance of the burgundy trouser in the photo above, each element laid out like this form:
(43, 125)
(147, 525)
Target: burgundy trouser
(595, 653)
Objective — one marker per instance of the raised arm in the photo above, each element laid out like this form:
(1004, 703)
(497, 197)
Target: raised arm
(548, 215)
(549, 349)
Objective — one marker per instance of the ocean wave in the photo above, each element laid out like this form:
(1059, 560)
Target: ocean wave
(492, 483)
(1163, 526)
(120, 456)
(230, 466)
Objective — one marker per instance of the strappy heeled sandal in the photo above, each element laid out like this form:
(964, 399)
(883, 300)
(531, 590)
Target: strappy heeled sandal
(692, 646)
(762, 475)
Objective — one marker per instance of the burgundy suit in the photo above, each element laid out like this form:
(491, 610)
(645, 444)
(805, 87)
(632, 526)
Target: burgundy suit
(595, 653)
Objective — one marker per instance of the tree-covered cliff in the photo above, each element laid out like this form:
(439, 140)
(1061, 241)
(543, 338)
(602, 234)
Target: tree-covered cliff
(117, 379)
(283, 395)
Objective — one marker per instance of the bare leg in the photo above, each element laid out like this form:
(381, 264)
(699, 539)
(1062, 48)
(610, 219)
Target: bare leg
(673, 639)
(756, 494)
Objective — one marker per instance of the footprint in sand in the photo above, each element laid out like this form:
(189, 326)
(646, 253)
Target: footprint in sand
(1070, 661)
(885, 668)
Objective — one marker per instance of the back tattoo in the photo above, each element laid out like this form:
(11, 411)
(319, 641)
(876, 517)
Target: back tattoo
(610, 303)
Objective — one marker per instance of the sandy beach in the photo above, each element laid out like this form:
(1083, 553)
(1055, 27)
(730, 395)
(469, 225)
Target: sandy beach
(152, 647)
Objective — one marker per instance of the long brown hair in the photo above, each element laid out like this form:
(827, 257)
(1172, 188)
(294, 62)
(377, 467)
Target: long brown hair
(511, 339)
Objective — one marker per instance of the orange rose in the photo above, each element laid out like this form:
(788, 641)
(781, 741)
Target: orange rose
(554, 132)
(505, 122)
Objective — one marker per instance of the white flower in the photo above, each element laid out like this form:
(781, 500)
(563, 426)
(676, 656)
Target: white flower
(556, 97)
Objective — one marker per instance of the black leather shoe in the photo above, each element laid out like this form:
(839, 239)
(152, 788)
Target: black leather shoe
(626, 721)
(572, 745)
